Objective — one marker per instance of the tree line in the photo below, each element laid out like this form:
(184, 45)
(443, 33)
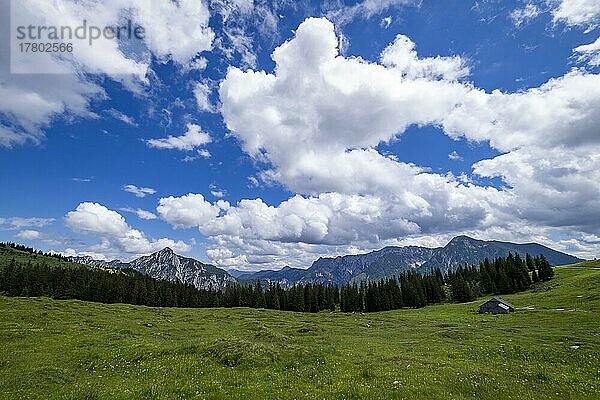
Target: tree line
(130, 287)
(410, 289)
(504, 275)
(301, 297)
(31, 250)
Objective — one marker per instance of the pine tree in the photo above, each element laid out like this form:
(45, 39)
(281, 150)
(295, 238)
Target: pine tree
(529, 262)
(259, 296)
(545, 271)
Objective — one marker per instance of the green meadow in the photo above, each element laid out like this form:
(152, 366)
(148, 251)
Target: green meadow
(548, 349)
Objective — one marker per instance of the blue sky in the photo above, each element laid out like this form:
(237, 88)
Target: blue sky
(480, 119)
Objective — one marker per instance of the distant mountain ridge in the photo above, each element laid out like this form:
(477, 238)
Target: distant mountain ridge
(391, 261)
(167, 265)
(92, 262)
(387, 262)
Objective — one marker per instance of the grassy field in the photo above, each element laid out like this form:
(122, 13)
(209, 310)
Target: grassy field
(548, 349)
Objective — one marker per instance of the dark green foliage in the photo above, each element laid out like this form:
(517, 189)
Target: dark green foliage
(501, 276)
(27, 279)
(20, 247)
(410, 290)
(545, 271)
(529, 262)
(130, 287)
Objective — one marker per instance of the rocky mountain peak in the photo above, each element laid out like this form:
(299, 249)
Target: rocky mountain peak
(166, 250)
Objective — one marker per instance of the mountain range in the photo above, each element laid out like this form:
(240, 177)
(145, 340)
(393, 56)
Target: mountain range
(169, 266)
(390, 261)
(387, 262)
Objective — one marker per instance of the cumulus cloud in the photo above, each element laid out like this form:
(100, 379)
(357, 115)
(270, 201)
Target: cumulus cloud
(187, 211)
(331, 220)
(69, 252)
(193, 138)
(115, 234)
(561, 112)
(589, 53)
(318, 118)
(138, 191)
(175, 31)
(584, 13)
(402, 56)
(29, 235)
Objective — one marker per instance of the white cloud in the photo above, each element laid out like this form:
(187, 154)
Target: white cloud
(126, 119)
(454, 156)
(199, 64)
(82, 180)
(176, 30)
(522, 16)
(20, 222)
(366, 9)
(584, 13)
(317, 119)
(29, 235)
(138, 191)
(204, 153)
(386, 22)
(194, 137)
(95, 218)
(30, 102)
(217, 192)
(202, 93)
(187, 211)
(239, 19)
(561, 112)
(117, 237)
(590, 53)
(69, 252)
(141, 214)
(401, 55)
(330, 222)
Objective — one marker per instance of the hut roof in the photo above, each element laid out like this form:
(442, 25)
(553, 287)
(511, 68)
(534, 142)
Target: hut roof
(502, 302)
